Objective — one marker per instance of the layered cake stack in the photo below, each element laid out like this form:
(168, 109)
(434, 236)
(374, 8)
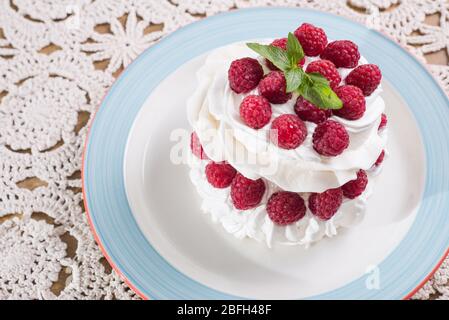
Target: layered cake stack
(288, 136)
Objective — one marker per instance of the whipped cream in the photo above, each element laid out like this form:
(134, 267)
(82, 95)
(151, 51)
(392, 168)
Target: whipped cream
(255, 223)
(213, 112)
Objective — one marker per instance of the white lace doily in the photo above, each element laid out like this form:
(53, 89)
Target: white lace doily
(57, 59)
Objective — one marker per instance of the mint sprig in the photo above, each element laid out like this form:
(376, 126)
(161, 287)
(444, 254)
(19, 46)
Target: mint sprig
(294, 78)
(276, 55)
(312, 86)
(295, 53)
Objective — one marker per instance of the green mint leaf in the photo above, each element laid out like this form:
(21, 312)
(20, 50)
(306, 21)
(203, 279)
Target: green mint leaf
(318, 78)
(295, 52)
(313, 87)
(293, 78)
(321, 95)
(306, 82)
(276, 55)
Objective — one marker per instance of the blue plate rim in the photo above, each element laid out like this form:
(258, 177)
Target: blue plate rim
(86, 154)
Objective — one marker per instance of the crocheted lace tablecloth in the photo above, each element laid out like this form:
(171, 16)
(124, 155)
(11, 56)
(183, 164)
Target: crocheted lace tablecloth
(57, 60)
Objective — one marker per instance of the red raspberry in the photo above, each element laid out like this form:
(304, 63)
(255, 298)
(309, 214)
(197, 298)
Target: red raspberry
(288, 131)
(285, 208)
(325, 205)
(220, 175)
(327, 69)
(380, 159)
(246, 193)
(343, 53)
(330, 138)
(282, 44)
(255, 111)
(354, 104)
(367, 77)
(383, 121)
(244, 75)
(196, 147)
(313, 39)
(273, 87)
(354, 188)
(309, 112)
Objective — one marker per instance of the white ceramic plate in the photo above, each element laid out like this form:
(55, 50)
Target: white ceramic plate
(167, 208)
(150, 228)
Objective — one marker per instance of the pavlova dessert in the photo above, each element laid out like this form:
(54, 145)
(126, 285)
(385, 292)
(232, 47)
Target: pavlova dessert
(288, 137)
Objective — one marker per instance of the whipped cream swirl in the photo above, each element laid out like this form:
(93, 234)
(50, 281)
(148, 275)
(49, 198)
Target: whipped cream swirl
(213, 112)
